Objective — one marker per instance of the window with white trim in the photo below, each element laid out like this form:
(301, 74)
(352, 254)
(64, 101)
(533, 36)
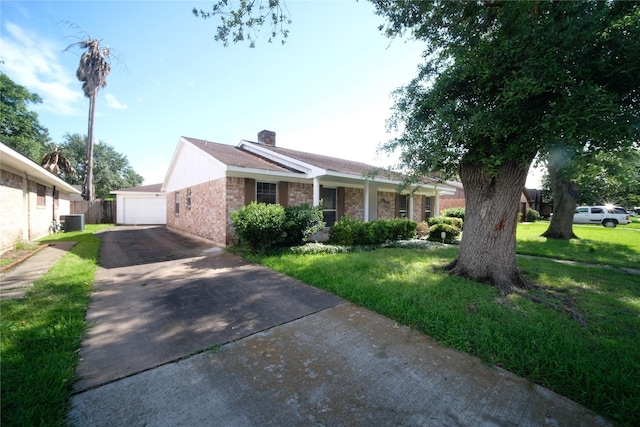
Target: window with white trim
(329, 205)
(267, 192)
(403, 202)
(427, 207)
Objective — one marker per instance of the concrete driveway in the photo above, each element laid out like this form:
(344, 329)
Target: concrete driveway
(185, 335)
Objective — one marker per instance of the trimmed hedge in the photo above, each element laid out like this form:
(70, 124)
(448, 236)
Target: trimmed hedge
(532, 215)
(349, 231)
(454, 213)
(263, 226)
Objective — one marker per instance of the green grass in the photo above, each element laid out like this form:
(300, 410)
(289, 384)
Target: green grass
(41, 333)
(618, 246)
(597, 366)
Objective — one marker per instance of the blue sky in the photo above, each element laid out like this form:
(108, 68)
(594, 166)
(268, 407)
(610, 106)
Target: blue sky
(326, 91)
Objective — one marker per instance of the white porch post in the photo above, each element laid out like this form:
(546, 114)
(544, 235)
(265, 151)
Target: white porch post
(366, 200)
(410, 213)
(316, 191)
(436, 204)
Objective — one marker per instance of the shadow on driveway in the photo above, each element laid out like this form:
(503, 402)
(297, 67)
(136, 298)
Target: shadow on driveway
(147, 310)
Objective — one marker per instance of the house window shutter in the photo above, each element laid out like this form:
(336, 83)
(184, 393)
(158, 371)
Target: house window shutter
(249, 191)
(283, 193)
(340, 204)
(397, 215)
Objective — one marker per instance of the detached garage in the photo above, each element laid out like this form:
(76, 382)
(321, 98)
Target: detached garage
(142, 205)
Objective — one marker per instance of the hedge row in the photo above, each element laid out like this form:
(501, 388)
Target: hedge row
(349, 231)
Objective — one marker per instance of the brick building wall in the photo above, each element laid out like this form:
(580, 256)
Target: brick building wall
(386, 205)
(235, 198)
(11, 200)
(354, 203)
(446, 203)
(206, 216)
(25, 216)
(300, 194)
(418, 208)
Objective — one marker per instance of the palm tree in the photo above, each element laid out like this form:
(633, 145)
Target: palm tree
(54, 161)
(92, 72)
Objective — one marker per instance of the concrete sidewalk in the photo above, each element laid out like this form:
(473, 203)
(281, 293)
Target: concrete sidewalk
(342, 366)
(15, 282)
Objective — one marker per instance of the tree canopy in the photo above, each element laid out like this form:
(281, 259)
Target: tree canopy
(503, 82)
(20, 127)
(112, 169)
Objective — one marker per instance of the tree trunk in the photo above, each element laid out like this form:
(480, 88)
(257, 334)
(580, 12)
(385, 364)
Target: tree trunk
(565, 196)
(488, 248)
(88, 179)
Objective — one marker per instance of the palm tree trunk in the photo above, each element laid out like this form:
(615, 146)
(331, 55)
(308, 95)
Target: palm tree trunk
(88, 180)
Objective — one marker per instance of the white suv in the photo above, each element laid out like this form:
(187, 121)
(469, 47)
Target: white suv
(599, 215)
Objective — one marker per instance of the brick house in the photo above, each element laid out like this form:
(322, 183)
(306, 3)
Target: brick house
(31, 199)
(206, 181)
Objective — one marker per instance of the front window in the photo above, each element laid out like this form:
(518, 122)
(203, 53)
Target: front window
(329, 205)
(427, 207)
(402, 206)
(266, 192)
(41, 192)
(177, 206)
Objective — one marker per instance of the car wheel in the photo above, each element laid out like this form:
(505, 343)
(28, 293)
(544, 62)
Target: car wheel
(610, 223)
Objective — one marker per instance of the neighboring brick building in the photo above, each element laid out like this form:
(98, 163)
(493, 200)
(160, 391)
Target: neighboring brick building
(206, 181)
(31, 198)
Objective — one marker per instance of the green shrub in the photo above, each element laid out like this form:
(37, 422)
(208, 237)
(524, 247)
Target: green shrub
(259, 225)
(263, 226)
(454, 213)
(532, 215)
(435, 233)
(301, 222)
(342, 232)
(349, 231)
(453, 221)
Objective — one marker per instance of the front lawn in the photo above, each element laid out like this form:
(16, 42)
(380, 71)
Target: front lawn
(41, 333)
(597, 366)
(618, 246)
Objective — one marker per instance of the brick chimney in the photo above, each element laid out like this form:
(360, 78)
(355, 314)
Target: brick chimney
(267, 137)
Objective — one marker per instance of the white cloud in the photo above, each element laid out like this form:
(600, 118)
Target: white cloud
(33, 62)
(112, 102)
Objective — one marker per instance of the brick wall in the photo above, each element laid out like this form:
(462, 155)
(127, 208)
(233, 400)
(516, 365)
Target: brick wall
(386, 205)
(354, 203)
(300, 194)
(446, 203)
(235, 191)
(11, 200)
(206, 216)
(418, 208)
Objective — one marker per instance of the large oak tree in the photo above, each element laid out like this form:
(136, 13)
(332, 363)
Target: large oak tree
(502, 82)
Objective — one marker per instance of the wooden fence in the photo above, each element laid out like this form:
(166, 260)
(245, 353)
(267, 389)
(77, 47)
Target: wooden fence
(95, 212)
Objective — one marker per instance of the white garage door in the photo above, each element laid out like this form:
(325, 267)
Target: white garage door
(138, 211)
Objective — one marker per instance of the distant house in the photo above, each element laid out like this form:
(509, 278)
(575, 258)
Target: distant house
(31, 199)
(207, 181)
(457, 199)
(142, 205)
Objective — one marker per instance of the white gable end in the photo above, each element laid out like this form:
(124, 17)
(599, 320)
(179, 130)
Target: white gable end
(191, 166)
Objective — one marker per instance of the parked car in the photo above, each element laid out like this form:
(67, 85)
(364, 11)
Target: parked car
(608, 217)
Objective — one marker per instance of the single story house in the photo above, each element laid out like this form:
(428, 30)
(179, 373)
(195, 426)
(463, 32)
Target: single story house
(143, 205)
(31, 198)
(207, 181)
